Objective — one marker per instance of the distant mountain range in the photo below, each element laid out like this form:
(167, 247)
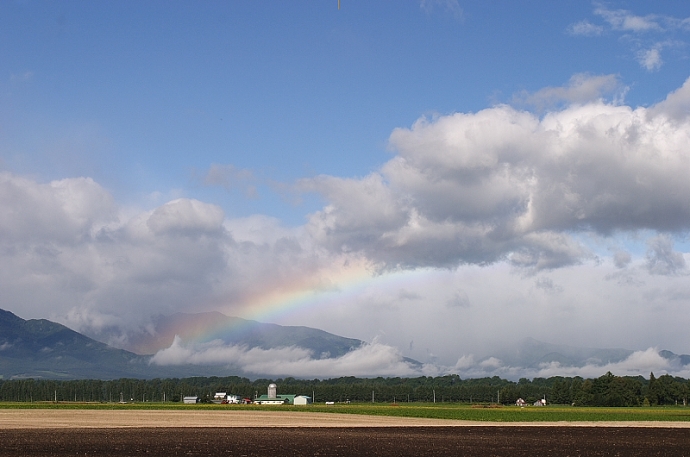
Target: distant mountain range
(39, 348)
(214, 326)
(530, 353)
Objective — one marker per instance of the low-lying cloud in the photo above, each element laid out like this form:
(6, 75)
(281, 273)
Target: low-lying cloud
(373, 359)
(376, 359)
(639, 363)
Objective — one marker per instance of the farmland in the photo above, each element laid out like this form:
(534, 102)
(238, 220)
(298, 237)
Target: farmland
(168, 429)
(339, 430)
(443, 411)
(467, 441)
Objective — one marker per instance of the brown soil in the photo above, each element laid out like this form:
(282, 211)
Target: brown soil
(43, 432)
(348, 441)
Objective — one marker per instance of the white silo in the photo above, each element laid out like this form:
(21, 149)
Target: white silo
(272, 391)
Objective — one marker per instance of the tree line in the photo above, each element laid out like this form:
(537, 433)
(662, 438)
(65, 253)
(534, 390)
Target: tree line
(607, 390)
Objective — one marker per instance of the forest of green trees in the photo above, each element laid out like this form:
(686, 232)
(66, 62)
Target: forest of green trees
(607, 390)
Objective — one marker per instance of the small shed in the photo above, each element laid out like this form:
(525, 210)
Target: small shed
(191, 400)
(520, 402)
(302, 400)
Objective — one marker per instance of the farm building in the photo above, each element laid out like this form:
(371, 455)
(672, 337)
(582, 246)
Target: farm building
(233, 399)
(272, 398)
(279, 400)
(520, 402)
(302, 400)
(223, 398)
(191, 400)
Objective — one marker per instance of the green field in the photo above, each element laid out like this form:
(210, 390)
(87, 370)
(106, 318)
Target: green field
(452, 411)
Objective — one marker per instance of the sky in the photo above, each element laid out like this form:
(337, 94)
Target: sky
(440, 179)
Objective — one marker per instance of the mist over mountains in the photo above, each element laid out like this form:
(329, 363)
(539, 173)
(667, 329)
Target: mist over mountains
(531, 353)
(215, 326)
(212, 344)
(39, 348)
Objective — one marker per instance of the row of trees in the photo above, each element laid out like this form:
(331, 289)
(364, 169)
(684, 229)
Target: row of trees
(607, 390)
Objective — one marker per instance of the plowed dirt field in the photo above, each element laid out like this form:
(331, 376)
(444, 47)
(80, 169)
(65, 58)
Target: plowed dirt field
(360, 441)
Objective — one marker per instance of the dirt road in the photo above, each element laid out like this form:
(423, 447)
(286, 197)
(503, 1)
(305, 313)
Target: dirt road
(84, 418)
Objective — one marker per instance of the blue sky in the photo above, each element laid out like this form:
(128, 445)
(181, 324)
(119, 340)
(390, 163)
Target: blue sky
(148, 97)
(321, 129)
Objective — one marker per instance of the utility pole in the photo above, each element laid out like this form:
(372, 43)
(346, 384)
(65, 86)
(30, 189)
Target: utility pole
(434, 395)
(372, 396)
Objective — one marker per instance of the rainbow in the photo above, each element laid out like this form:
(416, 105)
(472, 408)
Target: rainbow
(303, 294)
(296, 298)
(341, 286)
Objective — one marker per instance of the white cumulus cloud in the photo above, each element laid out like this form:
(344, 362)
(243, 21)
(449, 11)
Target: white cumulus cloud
(374, 359)
(505, 184)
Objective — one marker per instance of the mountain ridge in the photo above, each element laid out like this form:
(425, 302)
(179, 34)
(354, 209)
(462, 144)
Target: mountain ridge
(42, 348)
(231, 330)
(39, 348)
(531, 353)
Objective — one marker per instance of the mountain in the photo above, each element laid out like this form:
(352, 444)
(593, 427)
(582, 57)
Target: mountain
(530, 353)
(682, 359)
(40, 348)
(206, 327)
